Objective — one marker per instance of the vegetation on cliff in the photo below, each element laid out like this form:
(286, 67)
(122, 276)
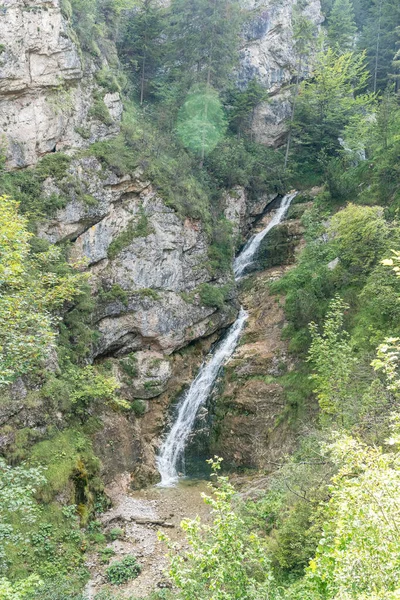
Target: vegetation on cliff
(327, 526)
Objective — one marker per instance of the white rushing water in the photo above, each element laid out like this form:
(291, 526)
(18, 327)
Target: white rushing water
(246, 256)
(173, 447)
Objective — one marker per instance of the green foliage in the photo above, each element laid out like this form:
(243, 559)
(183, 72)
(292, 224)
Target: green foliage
(68, 457)
(115, 294)
(360, 235)
(201, 121)
(116, 533)
(362, 520)
(242, 104)
(139, 407)
(211, 295)
(79, 389)
(123, 570)
(326, 104)
(20, 590)
(204, 41)
(18, 486)
(25, 186)
(241, 162)
(140, 47)
(172, 171)
(379, 39)
(129, 365)
(30, 288)
(35, 539)
(341, 26)
(224, 559)
(333, 361)
(100, 112)
(135, 229)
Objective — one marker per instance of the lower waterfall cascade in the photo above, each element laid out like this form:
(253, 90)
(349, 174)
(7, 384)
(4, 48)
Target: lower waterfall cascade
(173, 447)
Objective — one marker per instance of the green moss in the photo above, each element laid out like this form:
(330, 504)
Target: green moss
(68, 458)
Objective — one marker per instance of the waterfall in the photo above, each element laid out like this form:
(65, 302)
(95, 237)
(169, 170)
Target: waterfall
(246, 256)
(173, 447)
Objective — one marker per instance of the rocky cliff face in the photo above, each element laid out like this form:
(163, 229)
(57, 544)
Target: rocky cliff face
(131, 242)
(46, 88)
(269, 55)
(146, 263)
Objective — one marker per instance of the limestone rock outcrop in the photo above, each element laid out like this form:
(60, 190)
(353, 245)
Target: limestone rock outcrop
(269, 55)
(144, 260)
(46, 89)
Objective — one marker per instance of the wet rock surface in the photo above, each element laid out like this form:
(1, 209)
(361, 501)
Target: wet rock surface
(247, 415)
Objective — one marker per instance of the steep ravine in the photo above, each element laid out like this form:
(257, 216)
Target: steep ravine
(248, 422)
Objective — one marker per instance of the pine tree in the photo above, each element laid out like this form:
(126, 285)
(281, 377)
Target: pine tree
(140, 46)
(341, 26)
(304, 34)
(204, 41)
(379, 39)
(396, 61)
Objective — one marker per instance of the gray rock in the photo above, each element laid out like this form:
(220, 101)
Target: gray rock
(269, 55)
(45, 91)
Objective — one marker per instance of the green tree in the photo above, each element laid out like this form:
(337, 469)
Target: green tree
(379, 38)
(203, 41)
(358, 554)
(30, 295)
(341, 26)
(333, 361)
(304, 34)
(327, 103)
(224, 561)
(201, 121)
(360, 236)
(140, 46)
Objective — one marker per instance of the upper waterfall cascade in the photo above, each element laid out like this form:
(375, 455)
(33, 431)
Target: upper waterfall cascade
(248, 253)
(173, 447)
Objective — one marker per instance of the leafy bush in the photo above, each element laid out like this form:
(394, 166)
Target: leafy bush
(123, 570)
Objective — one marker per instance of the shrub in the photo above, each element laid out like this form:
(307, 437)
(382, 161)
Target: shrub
(116, 533)
(123, 570)
(139, 407)
(100, 111)
(211, 295)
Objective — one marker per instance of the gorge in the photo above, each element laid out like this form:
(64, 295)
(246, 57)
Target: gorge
(167, 297)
